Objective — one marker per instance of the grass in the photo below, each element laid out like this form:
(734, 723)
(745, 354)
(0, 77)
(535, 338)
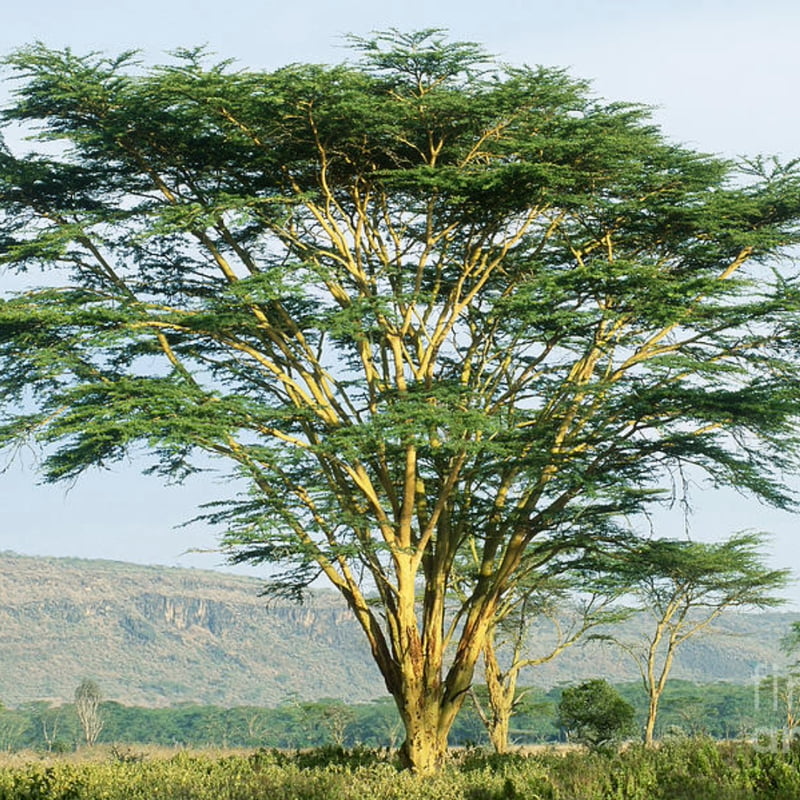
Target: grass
(695, 769)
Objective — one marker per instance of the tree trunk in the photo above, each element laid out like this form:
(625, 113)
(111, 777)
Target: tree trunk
(656, 685)
(411, 658)
(428, 705)
(499, 732)
(426, 728)
(650, 726)
(501, 689)
(421, 755)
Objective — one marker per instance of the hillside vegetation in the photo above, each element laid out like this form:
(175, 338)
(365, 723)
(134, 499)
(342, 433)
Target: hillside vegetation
(158, 636)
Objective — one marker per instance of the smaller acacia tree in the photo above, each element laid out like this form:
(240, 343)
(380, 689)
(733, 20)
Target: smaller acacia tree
(683, 586)
(595, 714)
(87, 707)
(785, 688)
(507, 652)
(785, 694)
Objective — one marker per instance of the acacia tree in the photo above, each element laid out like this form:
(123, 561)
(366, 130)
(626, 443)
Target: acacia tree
(507, 651)
(785, 688)
(417, 302)
(682, 587)
(87, 707)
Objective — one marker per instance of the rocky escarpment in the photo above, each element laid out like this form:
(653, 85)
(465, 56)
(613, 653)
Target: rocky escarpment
(159, 636)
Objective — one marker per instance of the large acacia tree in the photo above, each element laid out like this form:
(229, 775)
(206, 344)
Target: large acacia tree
(424, 304)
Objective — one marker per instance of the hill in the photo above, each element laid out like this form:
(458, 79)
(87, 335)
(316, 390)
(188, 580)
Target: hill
(157, 636)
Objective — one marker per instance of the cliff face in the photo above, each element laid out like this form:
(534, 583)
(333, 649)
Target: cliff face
(159, 636)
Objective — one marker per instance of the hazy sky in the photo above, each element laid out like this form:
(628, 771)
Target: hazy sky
(722, 73)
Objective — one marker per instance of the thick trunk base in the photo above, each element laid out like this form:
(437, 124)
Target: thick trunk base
(499, 736)
(425, 747)
(423, 755)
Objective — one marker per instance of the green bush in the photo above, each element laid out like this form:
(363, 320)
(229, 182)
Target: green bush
(595, 714)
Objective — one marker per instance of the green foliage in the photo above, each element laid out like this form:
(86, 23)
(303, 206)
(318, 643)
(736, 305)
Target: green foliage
(595, 714)
(701, 575)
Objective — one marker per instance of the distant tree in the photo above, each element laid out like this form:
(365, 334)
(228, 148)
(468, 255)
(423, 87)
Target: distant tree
(681, 587)
(328, 721)
(13, 726)
(783, 691)
(50, 720)
(595, 714)
(87, 707)
(785, 687)
(416, 301)
(257, 723)
(790, 644)
(378, 724)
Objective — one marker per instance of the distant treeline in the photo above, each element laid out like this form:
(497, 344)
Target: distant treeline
(720, 710)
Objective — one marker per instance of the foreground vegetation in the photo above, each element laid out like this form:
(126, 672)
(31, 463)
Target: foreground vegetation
(681, 769)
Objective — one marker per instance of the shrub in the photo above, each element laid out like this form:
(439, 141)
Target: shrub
(595, 714)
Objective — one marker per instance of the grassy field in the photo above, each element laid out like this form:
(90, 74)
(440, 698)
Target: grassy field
(678, 770)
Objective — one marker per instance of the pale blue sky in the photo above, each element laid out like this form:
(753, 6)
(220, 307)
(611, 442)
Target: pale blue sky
(723, 74)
